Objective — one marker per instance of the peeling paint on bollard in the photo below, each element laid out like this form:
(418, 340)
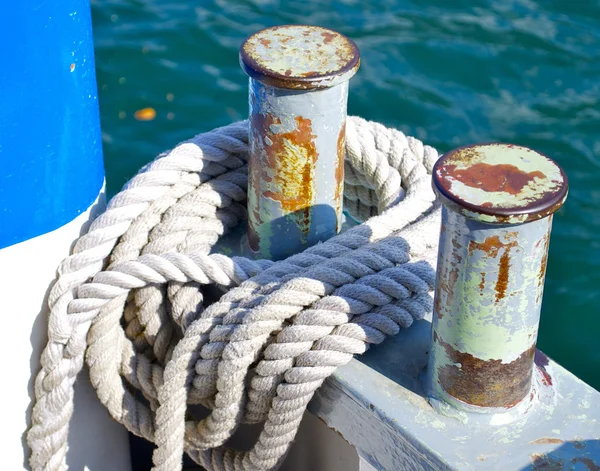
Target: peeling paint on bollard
(298, 94)
(496, 221)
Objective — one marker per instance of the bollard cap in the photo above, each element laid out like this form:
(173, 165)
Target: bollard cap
(299, 57)
(500, 183)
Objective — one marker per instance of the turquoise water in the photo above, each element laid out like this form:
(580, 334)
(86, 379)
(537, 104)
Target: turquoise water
(449, 72)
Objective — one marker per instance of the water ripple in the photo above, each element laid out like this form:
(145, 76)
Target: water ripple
(450, 73)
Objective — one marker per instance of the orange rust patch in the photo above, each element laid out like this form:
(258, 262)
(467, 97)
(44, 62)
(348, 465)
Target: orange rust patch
(328, 37)
(492, 246)
(505, 178)
(291, 158)
(482, 282)
(339, 175)
(265, 42)
(546, 441)
(502, 282)
(485, 383)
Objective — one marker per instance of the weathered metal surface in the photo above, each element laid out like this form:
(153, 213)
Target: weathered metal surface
(297, 137)
(500, 183)
(490, 281)
(299, 57)
(490, 276)
(376, 403)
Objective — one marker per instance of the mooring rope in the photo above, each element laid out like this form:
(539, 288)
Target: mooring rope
(134, 299)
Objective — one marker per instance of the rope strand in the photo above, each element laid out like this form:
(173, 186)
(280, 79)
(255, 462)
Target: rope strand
(135, 296)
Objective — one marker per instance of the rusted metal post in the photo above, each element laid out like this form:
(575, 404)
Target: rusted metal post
(496, 221)
(298, 99)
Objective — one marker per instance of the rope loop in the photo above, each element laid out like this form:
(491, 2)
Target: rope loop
(165, 321)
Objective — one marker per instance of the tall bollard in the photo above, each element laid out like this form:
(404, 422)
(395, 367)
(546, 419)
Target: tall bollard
(298, 98)
(51, 185)
(496, 220)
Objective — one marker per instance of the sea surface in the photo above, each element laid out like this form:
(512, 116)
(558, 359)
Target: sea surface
(449, 72)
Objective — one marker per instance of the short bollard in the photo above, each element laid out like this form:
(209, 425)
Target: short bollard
(498, 201)
(298, 99)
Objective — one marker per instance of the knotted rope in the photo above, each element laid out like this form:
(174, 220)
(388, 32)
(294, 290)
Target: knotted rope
(134, 299)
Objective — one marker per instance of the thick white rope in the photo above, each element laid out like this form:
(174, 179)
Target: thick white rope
(132, 299)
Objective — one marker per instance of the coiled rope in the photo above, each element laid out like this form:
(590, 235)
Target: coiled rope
(132, 300)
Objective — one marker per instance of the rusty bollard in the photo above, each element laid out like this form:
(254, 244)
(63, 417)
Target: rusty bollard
(298, 94)
(498, 201)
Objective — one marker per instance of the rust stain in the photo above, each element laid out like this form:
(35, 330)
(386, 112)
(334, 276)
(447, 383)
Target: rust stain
(541, 362)
(298, 40)
(291, 156)
(482, 283)
(449, 276)
(542, 273)
(310, 74)
(502, 282)
(455, 244)
(544, 262)
(260, 124)
(339, 175)
(545, 463)
(504, 178)
(438, 304)
(587, 462)
(506, 383)
(452, 279)
(72, 67)
(491, 246)
(547, 441)
(328, 37)
(550, 210)
(288, 72)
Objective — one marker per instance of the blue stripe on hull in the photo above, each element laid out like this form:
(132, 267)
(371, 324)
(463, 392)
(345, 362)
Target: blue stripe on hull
(51, 165)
